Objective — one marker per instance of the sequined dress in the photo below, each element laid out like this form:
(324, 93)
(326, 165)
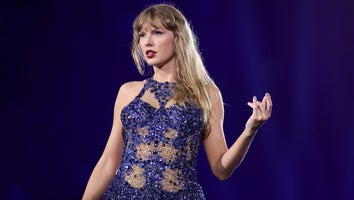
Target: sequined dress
(160, 148)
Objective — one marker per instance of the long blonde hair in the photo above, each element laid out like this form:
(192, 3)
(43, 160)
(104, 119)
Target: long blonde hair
(193, 80)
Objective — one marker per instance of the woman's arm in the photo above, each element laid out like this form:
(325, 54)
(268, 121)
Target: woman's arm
(112, 154)
(223, 160)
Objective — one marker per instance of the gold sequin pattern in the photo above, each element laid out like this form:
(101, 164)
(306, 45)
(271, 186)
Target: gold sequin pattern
(167, 152)
(161, 142)
(171, 134)
(143, 131)
(136, 177)
(143, 151)
(172, 181)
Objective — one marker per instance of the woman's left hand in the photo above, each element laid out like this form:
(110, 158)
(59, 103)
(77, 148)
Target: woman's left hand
(261, 112)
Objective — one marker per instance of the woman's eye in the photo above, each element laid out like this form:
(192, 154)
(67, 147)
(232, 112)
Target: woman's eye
(141, 34)
(158, 32)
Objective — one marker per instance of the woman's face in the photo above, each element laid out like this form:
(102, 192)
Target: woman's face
(157, 45)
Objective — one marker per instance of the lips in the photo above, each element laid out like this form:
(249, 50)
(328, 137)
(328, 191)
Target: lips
(150, 53)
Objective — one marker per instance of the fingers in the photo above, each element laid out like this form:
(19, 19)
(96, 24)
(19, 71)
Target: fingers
(254, 103)
(269, 102)
(264, 101)
(261, 111)
(265, 105)
(260, 106)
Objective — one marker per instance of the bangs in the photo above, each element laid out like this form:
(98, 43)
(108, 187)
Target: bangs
(154, 18)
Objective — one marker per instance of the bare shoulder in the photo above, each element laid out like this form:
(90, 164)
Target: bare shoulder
(214, 92)
(132, 87)
(129, 90)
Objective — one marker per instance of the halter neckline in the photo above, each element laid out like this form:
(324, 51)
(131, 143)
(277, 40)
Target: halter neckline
(162, 82)
(163, 91)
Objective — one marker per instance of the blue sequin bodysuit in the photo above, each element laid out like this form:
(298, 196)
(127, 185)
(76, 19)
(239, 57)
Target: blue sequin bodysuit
(160, 148)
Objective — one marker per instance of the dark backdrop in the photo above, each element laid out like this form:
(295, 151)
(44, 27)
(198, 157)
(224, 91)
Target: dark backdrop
(63, 61)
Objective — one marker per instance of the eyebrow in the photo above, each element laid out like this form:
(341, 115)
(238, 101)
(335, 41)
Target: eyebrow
(152, 28)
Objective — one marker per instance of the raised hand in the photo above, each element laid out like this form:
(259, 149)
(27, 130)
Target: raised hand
(261, 112)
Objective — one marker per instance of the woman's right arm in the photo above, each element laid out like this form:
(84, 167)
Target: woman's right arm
(110, 160)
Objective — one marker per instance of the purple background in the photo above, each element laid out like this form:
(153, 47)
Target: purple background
(63, 61)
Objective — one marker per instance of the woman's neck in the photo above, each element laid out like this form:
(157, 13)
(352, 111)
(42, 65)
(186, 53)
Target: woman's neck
(164, 75)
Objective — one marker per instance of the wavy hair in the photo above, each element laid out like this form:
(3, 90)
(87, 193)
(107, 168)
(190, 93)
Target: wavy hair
(193, 80)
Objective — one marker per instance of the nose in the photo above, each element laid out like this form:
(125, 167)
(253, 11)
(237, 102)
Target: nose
(148, 40)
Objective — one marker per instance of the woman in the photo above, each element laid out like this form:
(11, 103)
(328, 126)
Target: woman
(159, 122)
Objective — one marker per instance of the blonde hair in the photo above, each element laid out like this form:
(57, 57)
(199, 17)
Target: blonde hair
(193, 80)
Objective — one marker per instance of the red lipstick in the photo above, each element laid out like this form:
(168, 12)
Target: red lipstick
(150, 53)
